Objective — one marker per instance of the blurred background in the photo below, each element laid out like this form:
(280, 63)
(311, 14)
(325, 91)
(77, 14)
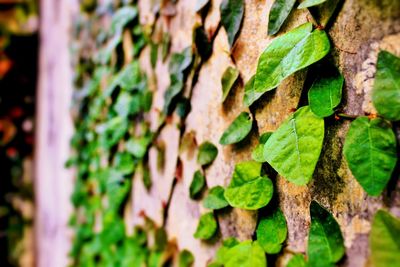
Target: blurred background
(18, 80)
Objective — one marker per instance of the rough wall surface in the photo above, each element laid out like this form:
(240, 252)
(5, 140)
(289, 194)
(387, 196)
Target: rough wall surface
(361, 28)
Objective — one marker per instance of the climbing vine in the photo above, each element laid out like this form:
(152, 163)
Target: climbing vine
(114, 132)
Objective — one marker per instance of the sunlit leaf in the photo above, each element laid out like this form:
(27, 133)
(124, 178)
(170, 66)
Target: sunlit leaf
(370, 151)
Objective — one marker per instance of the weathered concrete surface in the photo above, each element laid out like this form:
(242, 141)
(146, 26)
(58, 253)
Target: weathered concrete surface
(361, 28)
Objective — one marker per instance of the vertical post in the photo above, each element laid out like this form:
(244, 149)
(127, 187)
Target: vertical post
(53, 182)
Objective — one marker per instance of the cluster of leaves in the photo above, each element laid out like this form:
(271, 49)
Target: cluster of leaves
(110, 149)
(293, 150)
(111, 143)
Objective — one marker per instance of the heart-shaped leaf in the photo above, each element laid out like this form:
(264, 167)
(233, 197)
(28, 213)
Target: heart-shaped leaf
(248, 190)
(228, 80)
(186, 258)
(370, 151)
(258, 152)
(207, 226)
(386, 92)
(325, 240)
(280, 10)
(384, 239)
(287, 54)
(272, 231)
(197, 184)
(326, 92)
(231, 18)
(297, 261)
(293, 150)
(215, 199)
(310, 3)
(246, 254)
(207, 153)
(238, 130)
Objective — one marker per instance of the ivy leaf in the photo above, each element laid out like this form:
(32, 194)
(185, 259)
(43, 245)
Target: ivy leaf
(246, 254)
(153, 54)
(258, 152)
(310, 3)
(287, 54)
(370, 151)
(123, 105)
(215, 199)
(174, 89)
(326, 92)
(228, 80)
(297, 261)
(207, 226)
(386, 91)
(138, 146)
(186, 258)
(231, 18)
(384, 239)
(183, 107)
(325, 240)
(180, 62)
(293, 150)
(207, 153)
(197, 184)
(272, 232)
(123, 163)
(238, 130)
(250, 95)
(203, 43)
(279, 12)
(121, 17)
(248, 190)
(228, 243)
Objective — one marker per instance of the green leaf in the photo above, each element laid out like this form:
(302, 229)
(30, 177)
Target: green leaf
(258, 152)
(231, 18)
(325, 240)
(246, 254)
(121, 17)
(248, 190)
(186, 258)
(386, 91)
(310, 3)
(220, 257)
(174, 89)
(153, 54)
(370, 151)
(207, 153)
(138, 146)
(124, 163)
(297, 261)
(272, 231)
(279, 12)
(250, 95)
(326, 92)
(180, 62)
(183, 107)
(287, 54)
(293, 150)
(207, 226)
(228, 80)
(123, 105)
(197, 184)
(215, 199)
(203, 42)
(238, 130)
(384, 239)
